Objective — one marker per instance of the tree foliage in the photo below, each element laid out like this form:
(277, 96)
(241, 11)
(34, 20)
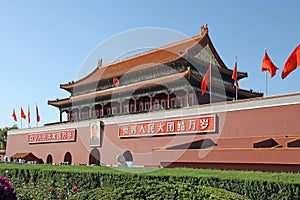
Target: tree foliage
(3, 136)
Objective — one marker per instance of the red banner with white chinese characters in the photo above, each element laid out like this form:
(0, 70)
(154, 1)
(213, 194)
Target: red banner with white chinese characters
(52, 136)
(201, 124)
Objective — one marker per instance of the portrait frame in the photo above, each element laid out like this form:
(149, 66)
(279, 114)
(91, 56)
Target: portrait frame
(95, 134)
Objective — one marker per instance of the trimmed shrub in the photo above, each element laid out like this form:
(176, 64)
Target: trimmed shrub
(153, 191)
(57, 182)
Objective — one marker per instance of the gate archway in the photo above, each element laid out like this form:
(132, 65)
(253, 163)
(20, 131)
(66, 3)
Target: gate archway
(49, 159)
(128, 158)
(94, 158)
(68, 158)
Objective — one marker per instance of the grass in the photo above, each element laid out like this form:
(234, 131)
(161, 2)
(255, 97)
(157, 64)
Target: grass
(172, 172)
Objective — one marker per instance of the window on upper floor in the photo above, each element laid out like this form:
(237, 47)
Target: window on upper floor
(173, 102)
(156, 104)
(108, 110)
(114, 110)
(191, 99)
(163, 103)
(147, 106)
(141, 106)
(131, 107)
(125, 108)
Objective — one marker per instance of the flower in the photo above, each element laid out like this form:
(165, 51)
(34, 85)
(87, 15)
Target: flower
(74, 188)
(51, 187)
(6, 189)
(60, 194)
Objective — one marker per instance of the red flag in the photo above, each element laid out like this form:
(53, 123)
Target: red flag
(28, 114)
(23, 114)
(205, 81)
(292, 62)
(268, 65)
(14, 115)
(234, 75)
(116, 82)
(37, 114)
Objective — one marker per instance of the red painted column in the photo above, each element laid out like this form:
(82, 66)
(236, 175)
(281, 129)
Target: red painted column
(90, 112)
(121, 107)
(150, 102)
(134, 105)
(69, 115)
(79, 113)
(168, 101)
(102, 108)
(60, 115)
(187, 98)
(99, 111)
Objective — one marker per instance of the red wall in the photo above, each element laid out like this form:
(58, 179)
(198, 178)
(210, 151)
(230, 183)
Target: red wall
(238, 131)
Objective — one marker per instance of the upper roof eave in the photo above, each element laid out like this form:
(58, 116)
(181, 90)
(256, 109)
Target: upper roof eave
(162, 54)
(59, 102)
(143, 84)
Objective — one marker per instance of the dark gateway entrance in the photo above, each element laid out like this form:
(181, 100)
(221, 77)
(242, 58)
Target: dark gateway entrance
(49, 159)
(128, 158)
(68, 158)
(94, 158)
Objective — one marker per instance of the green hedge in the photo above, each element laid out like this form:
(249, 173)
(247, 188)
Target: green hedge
(151, 190)
(51, 182)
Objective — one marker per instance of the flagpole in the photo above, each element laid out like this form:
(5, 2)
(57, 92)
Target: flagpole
(210, 92)
(236, 87)
(36, 113)
(28, 116)
(266, 84)
(266, 78)
(15, 117)
(21, 118)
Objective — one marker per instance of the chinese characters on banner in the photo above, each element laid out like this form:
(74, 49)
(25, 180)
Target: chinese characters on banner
(55, 136)
(172, 126)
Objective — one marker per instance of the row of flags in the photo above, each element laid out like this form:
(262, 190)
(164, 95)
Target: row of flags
(290, 65)
(23, 115)
(207, 77)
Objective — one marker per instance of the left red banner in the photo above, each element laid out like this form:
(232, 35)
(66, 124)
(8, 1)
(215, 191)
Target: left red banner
(68, 135)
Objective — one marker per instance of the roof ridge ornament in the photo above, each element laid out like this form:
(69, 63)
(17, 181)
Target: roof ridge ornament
(99, 63)
(204, 29)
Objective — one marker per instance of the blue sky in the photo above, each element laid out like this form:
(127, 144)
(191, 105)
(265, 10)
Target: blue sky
(44, 43)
